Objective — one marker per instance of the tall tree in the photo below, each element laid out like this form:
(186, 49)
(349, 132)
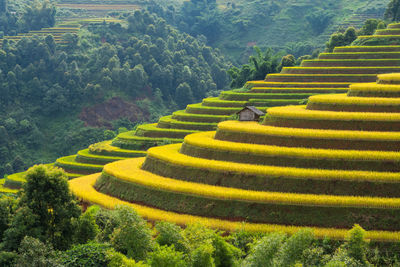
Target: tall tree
(393, 10)
(45, 210)
(3, 6)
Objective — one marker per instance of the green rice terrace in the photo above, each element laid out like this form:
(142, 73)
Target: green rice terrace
(326, 165)
(330, 73)
(335, 156)
(58, 32)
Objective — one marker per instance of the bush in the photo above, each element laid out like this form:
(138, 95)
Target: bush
(292, 250)
(203, 256)
(86, 255)
(356, 244)
(86, 227)
(116, 259)
(132, 236)
(166, 256)
(170, 234)
(264, 250)
(33, 253)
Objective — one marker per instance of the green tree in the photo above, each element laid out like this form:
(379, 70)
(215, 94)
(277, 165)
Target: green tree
(86, 255)
(7, 209)
(33, 253)
(264, 250)
(170, 234)
(356, 244)
(132, 236)
(319, 20)
(46, 209)
(166, 256)
(369, 27)
(393, 10)
(85, 227)
(183, 95)
(292, 250)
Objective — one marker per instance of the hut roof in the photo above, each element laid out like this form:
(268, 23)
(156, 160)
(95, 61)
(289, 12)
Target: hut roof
(252, 108)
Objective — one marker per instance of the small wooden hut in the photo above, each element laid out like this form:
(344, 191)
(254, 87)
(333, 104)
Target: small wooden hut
(250, 113)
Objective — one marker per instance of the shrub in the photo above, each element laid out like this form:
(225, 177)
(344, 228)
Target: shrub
(132, 237)
(86, 228)
(86, 255)
(202, 256)
(166, 256)
(33, 253)
(264, 250)
(170, 234)
(116, 259)
(292, 250)
(356, 244)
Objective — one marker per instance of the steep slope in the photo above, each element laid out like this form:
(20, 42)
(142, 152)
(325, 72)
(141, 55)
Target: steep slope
(330, 73)
(327, 165)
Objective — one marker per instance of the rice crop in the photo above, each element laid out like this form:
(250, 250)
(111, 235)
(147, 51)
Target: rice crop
(83, 188)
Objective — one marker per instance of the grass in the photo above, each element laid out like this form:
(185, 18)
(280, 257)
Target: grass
(374, 90)
(338, 70)
(350, 62)
(200, 109)
(130, 141)
(182, 115)
(375, 48)
(310, 78)
(125, 179)
(83, 188)
(298, 84)
(389, 78)
(217, 102)
(171, 154)
(6, 190)
(85, 156)
(151, 130)
(206, 140)
(343, 99)
(168, 122)
(257, 93)
(70, 165)
(300, 112)
(360, 55)
(106, 149)
(255, 128)
(262, 212)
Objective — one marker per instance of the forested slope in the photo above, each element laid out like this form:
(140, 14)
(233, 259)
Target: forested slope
(299, 26)
(57, 99)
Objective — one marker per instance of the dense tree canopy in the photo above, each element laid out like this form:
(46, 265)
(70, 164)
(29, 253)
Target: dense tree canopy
(393, 10)
(148, 63)
(37, 15)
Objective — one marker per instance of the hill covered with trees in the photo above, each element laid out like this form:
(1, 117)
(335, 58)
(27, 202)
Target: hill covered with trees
(108, 76)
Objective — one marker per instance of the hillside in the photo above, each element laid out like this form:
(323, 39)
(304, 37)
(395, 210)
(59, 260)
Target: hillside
(88, 83)
(236, 26)
(314, 142)
(330, 73)
(303, 166)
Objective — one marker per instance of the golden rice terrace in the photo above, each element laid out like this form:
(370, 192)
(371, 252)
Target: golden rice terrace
(327, 165)
(330, 73)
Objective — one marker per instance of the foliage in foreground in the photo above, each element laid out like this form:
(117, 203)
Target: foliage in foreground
(122, 238)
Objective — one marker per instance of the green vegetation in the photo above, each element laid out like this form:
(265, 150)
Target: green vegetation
(231, 25)
(72, 81)
(37, 15)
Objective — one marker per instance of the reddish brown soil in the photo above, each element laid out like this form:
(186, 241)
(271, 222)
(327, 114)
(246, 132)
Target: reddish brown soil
(102, 114)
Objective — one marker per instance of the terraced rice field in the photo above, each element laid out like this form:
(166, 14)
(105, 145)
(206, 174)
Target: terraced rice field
(56, 32)
(278, 174)
(331, 73)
